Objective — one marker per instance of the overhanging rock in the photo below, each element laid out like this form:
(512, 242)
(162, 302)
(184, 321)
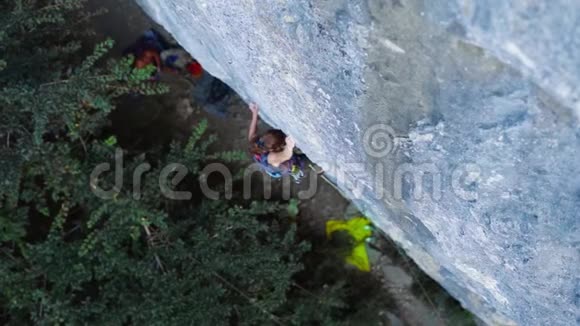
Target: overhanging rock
(453, 124)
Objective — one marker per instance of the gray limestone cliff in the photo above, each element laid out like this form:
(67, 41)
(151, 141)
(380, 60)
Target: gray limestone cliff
(452, 123)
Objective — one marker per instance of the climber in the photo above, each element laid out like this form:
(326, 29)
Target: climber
(274, 151)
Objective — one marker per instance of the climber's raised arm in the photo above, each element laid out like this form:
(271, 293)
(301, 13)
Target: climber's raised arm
(254, 124)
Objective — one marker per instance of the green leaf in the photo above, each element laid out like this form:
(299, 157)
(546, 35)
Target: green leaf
(292, 208)
(111, 141)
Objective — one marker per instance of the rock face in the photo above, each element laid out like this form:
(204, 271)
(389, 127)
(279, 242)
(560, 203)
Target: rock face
(452, 123)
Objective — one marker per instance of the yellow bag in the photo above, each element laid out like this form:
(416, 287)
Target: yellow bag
(358, 228)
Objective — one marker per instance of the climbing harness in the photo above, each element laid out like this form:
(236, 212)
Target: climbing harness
(292, 167)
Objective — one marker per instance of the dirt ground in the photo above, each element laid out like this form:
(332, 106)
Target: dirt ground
(146, 122)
